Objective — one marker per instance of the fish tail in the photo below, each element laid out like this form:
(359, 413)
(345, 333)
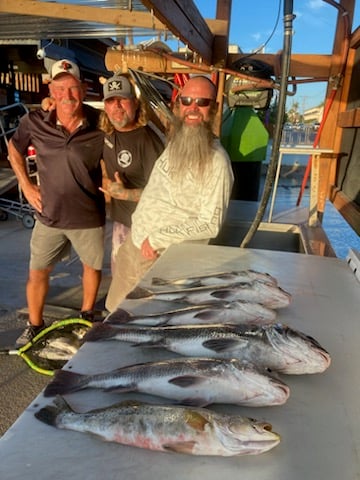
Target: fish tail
(139, 292)
(50, 413)
(159, 281)
(64, 382)
(119, 316)
(99, 331)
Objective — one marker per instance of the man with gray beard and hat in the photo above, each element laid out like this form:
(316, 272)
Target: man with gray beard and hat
(187, 195)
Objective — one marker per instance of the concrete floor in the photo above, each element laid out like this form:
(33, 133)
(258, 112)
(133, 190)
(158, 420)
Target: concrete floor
(19, 384)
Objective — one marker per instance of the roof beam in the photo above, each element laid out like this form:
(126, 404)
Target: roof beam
(113, 16)
(185, 21)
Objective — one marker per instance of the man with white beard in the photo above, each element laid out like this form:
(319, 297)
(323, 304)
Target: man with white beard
(187, 195)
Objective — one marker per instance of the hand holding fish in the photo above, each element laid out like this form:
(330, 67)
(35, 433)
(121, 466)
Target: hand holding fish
(147, 251)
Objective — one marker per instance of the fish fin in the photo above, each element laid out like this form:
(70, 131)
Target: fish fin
(99, 331)
(196, 420)
(119, 316)
(221, 344)
(130, 387)
(180, 447)
(206, 315)
(185, 282)
(185, 381)
(139, 292)
(64, 382)
(222, 294)
(194, 402)
(150, 344)
(50, 413)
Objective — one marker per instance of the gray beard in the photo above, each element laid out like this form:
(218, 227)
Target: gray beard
(119, 125)
(190, 149)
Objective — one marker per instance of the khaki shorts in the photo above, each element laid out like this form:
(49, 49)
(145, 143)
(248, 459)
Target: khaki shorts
(49, 245)
(119, 234)
(130, 267)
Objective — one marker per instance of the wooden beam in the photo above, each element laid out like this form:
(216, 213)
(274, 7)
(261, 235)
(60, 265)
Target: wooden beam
(301, 64)
(349, 118)
(113, 16)
(348, 208)
(221, 41)
(355, 39)
(185, 21)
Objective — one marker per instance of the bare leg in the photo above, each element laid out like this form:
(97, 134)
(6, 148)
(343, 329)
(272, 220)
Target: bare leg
(37, 288)
(91, 283)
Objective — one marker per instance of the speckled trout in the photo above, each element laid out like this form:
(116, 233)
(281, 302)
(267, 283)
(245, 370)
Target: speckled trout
(275, 346)
(190, 381)
(272, 296)
(181, 429)
(221, 312)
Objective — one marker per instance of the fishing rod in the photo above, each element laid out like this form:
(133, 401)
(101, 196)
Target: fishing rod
(271, 171)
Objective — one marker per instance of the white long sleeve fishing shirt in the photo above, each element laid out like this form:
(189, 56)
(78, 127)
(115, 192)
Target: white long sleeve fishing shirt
(171, 212)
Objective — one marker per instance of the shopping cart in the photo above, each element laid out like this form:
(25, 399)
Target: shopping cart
(20, 210)
(9, 119)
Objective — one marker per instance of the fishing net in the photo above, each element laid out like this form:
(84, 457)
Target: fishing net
(54, 346)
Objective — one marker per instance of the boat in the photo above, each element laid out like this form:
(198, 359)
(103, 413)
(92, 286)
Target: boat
(332, 153)
(319, 424)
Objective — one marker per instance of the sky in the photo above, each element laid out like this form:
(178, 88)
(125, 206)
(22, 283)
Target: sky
(313, 32)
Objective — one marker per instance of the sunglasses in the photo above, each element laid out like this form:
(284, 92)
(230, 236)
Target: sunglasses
(200, 102)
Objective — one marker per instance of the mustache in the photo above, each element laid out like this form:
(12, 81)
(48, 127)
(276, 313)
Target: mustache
(68, 102)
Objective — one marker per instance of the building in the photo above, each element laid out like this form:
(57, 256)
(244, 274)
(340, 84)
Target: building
(313, 114)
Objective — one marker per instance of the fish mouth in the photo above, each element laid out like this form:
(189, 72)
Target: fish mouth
(325, 355)
(253, 448)
(284, 389)
(264, 439)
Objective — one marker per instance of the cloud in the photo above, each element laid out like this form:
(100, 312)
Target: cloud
(315, 4)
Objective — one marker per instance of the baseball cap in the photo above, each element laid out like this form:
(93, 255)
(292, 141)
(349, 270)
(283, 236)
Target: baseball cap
(65, 66)
(118, 86)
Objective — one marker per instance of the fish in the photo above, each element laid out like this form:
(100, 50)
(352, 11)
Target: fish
(57, 346)
(222, 312)
(189, 381)
(266, 294)
(175, 428)
(242, 276)
(276, 347)
(61, 348)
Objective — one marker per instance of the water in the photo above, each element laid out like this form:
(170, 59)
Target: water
(341, 236)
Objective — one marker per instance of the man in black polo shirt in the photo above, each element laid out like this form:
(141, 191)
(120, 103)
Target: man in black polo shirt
(69, 206)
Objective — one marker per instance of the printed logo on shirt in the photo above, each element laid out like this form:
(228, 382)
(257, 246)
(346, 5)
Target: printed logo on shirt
(124, 158)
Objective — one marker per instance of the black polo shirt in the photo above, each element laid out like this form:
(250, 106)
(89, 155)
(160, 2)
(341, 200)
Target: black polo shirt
(68, 166)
